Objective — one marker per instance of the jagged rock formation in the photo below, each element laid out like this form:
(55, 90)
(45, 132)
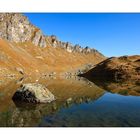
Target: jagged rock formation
(26, 59)
(117, 68)
(17, 28)
(18, 54)
(54, 42)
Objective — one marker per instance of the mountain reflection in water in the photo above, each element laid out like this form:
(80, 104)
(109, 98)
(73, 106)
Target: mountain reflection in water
(79, 102)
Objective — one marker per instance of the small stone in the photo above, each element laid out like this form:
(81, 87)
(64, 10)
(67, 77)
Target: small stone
(69, 100)
(20, 70)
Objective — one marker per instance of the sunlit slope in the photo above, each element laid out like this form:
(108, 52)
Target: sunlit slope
(37, 60)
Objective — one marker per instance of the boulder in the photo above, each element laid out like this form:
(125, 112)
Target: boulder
(20, 70)
(53, 38)
(86, 50)
(69, 47)
(38, 39)
(54, 41)
(63, 45)
(77, 48)
(33, 93)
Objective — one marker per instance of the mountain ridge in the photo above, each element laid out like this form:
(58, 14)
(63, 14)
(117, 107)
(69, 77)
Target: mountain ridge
(26, 50)
(16, 27)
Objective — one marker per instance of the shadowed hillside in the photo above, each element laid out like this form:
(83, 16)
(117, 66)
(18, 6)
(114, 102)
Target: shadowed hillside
(117, 69)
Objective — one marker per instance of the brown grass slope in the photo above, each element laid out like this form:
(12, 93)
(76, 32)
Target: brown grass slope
(36, 60)
(117, 68)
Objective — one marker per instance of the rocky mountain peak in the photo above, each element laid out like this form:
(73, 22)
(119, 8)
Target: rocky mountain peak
(69, 47)
(16, 27)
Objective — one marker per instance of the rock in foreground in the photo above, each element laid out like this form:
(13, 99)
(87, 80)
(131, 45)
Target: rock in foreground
(33, 93)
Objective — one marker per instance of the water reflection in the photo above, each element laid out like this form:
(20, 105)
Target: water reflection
(109, 110)
(129, 87)
(67, 91)
(80, 102)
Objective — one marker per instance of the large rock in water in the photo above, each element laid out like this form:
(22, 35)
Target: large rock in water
(34, 93)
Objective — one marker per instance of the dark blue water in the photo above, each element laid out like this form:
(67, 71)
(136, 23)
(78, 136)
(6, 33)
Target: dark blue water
(109, 110)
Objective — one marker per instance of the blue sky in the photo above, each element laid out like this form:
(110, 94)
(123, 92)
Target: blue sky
(111, 34)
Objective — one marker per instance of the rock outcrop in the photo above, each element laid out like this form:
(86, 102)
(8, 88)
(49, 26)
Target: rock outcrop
(33, 93)
(69, 47)
(17, 28)
(18, 38)
(117, 68)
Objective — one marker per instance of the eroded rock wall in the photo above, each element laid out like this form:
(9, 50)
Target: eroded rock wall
(16, 27)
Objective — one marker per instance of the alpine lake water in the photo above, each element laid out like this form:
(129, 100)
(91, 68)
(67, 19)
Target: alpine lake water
(79, 103)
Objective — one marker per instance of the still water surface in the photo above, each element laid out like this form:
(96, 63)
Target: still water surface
(79, 103)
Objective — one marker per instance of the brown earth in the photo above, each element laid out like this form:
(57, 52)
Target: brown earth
(117, 69)
(25, 58)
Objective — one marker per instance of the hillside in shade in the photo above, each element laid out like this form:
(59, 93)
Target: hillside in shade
(117, 69)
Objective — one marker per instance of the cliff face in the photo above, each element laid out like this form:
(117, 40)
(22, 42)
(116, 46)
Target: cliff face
(17, 28)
